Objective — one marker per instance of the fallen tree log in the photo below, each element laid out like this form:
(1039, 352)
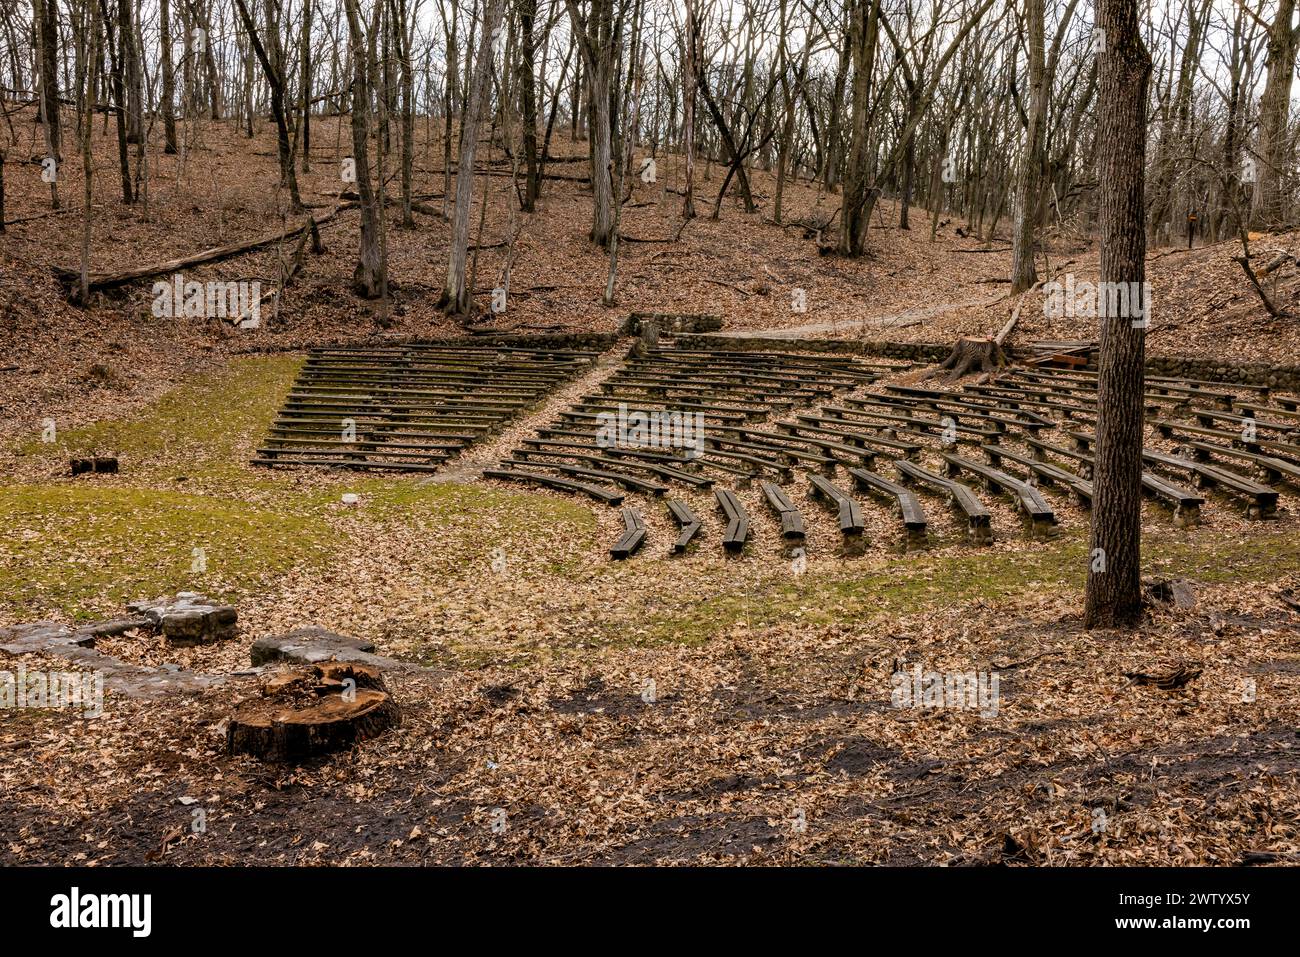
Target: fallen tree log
(72, 277)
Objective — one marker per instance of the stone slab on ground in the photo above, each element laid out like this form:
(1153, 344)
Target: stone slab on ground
(76, 645)
(310, 645)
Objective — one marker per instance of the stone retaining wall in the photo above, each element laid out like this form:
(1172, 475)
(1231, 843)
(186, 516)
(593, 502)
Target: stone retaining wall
(1283, 377)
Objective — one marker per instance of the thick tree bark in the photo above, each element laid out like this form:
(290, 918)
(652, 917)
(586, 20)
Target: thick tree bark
(1114, 590)
(858, 198)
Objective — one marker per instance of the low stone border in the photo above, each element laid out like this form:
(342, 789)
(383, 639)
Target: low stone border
(1284, 377)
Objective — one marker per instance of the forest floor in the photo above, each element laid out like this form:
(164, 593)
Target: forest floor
(528, 735)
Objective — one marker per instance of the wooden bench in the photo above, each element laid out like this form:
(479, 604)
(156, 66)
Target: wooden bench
(913, 515)
(1187, 504)
(1029, 500)
(551, 481)
(864, 440)
(1209, 417)
(737, 533)
(1050, 474)
(687, 521)
(960, 497)
(544, 447)
(791, 521)
(850, 513)
(633, 535)
(1041, 449)
(630, 482)
(1261, 500)
(1274, 469)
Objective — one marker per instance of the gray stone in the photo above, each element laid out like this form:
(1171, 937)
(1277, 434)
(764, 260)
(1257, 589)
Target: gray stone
(189, 618)
(42, 636)
(310, 645)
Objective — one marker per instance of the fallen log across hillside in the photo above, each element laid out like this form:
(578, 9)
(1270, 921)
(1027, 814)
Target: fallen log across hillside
(71, 278)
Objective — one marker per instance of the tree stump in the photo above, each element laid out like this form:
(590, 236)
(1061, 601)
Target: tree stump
(972, 355)
(313, 711)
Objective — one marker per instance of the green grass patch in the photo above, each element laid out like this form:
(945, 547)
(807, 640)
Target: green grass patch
(924, 581)
(84, 546)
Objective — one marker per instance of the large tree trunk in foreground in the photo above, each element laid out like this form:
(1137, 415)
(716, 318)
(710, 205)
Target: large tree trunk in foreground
(1114, 592)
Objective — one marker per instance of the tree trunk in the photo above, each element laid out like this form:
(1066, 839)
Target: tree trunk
(456, 296)
(1272, 169)
(858, 198)
(1114, 590)
(688, 109)
(528, 102)
(168, 76)
(1023, 273)
(367, 278)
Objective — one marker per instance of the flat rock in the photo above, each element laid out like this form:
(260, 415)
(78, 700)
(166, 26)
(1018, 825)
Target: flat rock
(310, 645)
(42, 636)
(189, 618)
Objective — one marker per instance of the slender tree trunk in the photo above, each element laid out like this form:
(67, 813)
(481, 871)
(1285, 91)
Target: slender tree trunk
(367, 278)
(1114, 591)
(689, 69)
(456, 296)
(1023, 274)
(305, 78)
(168, 76)
(1273, 167)
(528, 101)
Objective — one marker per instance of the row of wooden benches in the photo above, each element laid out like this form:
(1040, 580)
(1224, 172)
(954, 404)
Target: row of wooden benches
(408, 407)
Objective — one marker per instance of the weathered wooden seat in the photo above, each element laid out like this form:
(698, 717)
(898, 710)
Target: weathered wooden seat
(630, 482)
(1274, 469)
(633, 535)
(850, 513)
(1187, 504)
(1261, 500)
(687, 522)
(791, 521)
(1027, 498)
(607, 496)
(914, 521)
(960, 497)
(1050, 474)
(737, 533)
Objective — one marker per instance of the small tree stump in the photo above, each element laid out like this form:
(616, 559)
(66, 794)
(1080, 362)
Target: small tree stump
(308, 712)
(971, 355)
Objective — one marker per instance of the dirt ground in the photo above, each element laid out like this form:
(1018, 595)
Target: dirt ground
(562, 709)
